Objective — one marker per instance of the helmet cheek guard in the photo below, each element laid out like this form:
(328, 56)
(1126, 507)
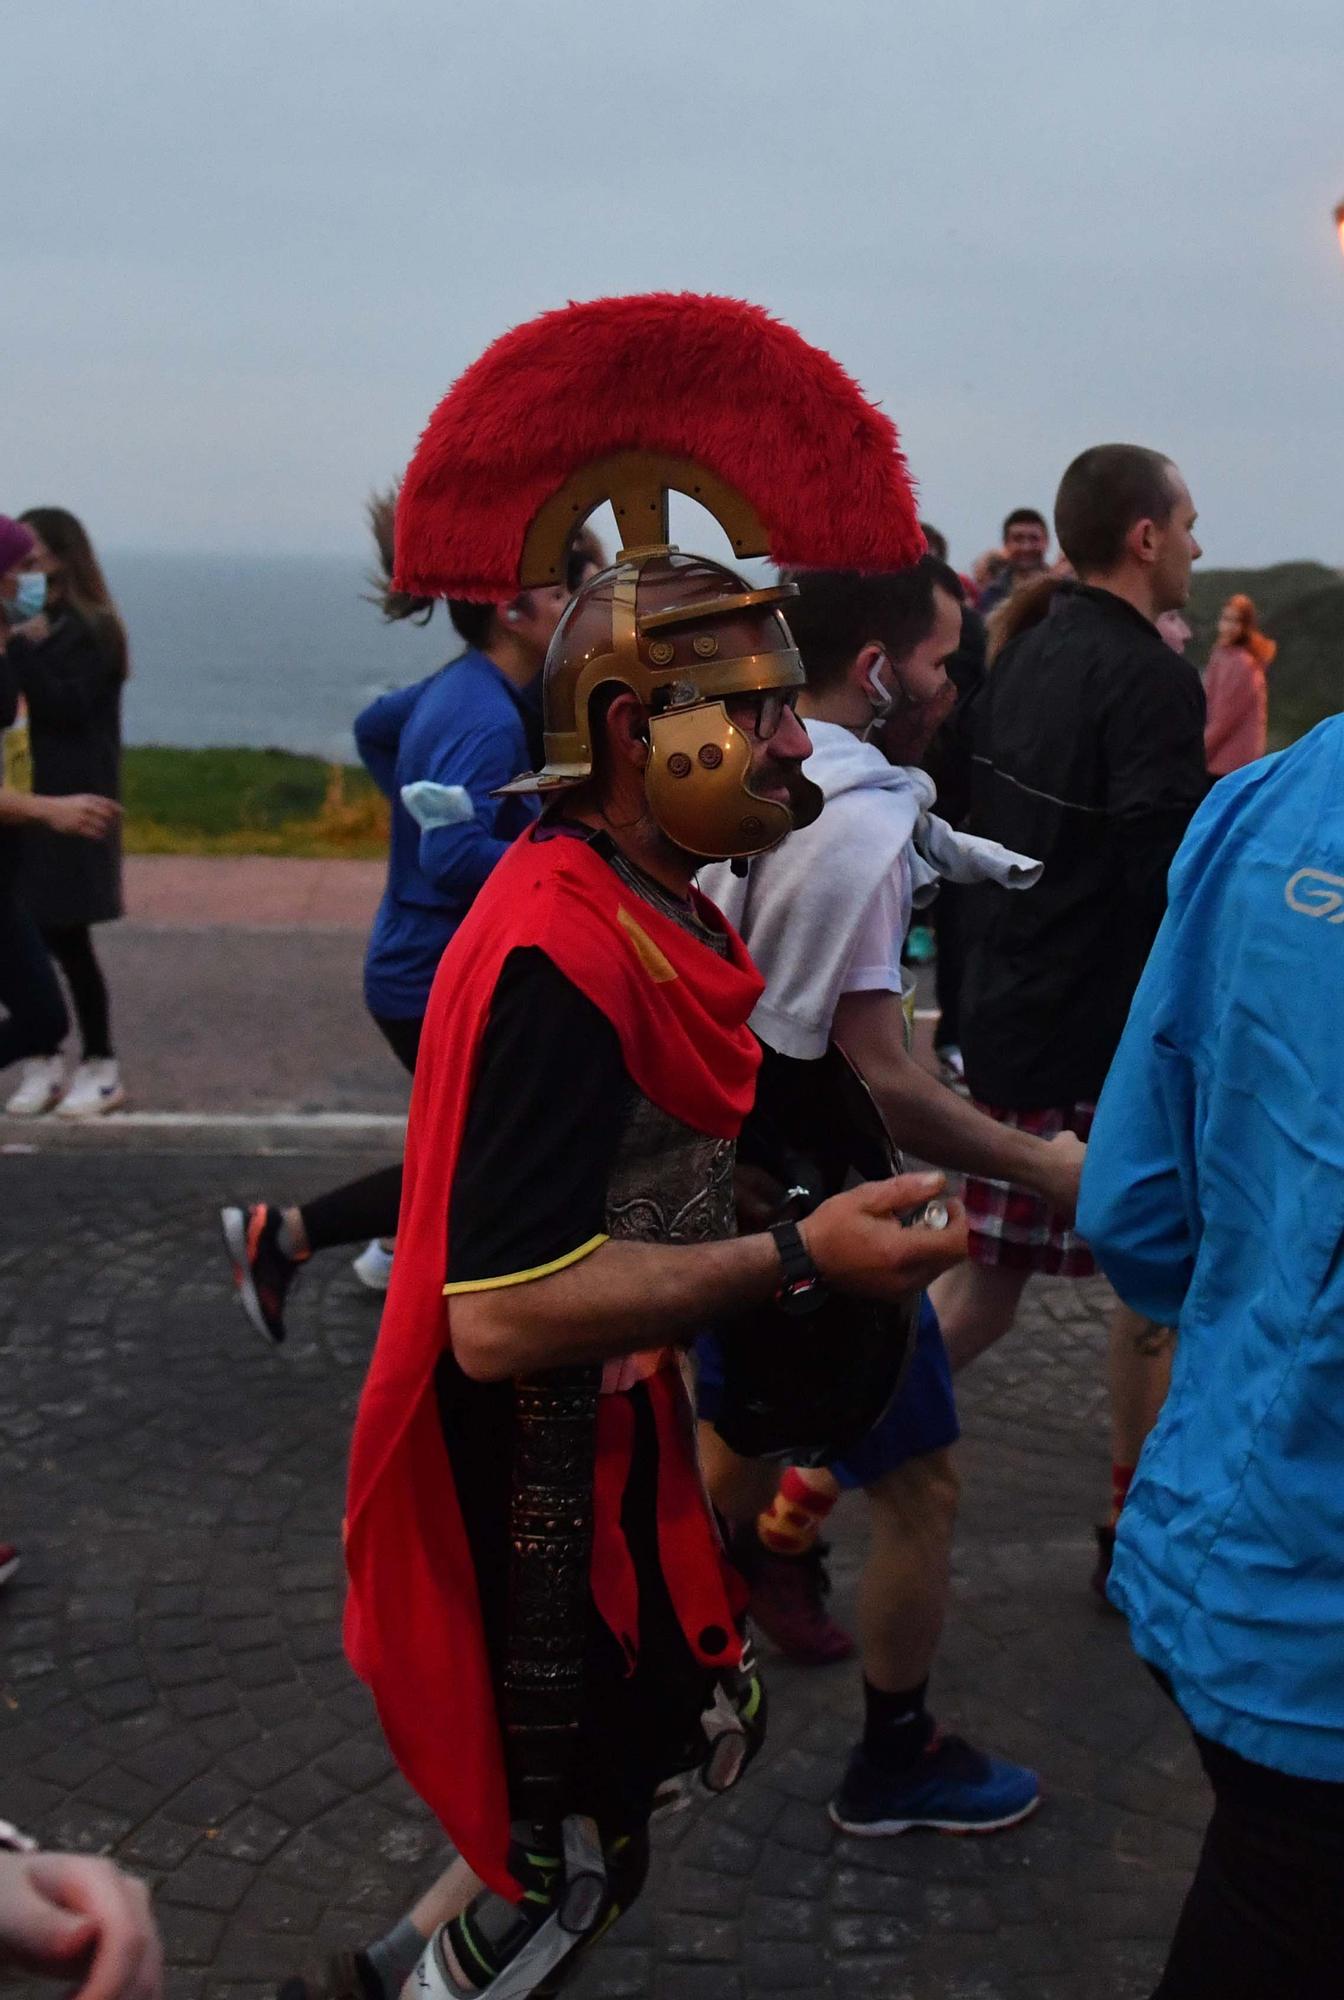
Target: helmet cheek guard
(698, 784)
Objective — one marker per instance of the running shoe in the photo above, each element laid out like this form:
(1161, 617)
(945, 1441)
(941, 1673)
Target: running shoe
(95, 1089)
(262, 1271)
(951, 1787)
(788, 1603)
(373, 1266)
(40, 1085)
(9, 1561)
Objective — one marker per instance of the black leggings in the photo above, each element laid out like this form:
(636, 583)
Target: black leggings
(369, 1206)
(1264, 1919)
(71, 945)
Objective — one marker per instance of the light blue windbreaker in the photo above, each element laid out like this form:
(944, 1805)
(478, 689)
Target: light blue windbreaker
(1214, 1197)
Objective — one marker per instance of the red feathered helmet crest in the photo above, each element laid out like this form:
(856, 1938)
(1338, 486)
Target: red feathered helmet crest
(625, 400)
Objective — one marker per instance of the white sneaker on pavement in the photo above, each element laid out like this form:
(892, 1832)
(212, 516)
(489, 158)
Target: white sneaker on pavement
(94, 1089)
(373, 1267)
(40, 1087)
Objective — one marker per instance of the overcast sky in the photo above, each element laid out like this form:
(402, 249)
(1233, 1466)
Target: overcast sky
(247, 247)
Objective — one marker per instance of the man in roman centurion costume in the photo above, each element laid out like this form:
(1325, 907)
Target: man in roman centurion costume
(538, 1595)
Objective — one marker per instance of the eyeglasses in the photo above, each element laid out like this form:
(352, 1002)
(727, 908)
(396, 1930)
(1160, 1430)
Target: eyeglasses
(761, 713)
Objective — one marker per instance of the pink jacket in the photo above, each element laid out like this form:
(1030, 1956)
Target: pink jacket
(1238, 710)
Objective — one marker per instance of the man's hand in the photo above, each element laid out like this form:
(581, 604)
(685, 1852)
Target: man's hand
(77, 1918)
(1060, 1172)
(858, 1241)
(81, 813)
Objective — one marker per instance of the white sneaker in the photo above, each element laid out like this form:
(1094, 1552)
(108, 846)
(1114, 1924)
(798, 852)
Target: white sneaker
(373, 1267)
(94, 1089)
(40, 1089)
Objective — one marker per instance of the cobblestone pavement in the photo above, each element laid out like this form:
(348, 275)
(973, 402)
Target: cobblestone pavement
(172, 1688)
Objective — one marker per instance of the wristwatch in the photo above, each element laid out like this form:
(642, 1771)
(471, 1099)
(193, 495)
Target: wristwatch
(802, 1288)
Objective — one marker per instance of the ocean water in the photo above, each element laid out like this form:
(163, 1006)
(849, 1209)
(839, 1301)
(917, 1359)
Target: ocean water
(272, 651)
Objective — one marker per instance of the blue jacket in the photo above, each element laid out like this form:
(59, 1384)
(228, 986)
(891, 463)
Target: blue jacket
(464, 725)
(1214, 1198)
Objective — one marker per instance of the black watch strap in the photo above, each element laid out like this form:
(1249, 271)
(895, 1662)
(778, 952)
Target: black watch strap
(795, 1260)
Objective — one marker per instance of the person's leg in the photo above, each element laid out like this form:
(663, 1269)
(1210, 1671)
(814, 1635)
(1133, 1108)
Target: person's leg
(976, 1304)
(71, 945)
(1264, 1915)
(904, 1584)
(36, 1022)
(1140, 1376)
(363, 1208)
(904, 1772)
(267, 1244)
(1139, 1367)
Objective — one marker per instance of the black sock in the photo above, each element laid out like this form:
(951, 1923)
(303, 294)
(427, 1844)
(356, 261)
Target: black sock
(896, 1727)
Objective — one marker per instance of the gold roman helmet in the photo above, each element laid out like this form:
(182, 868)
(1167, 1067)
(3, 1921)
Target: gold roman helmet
(628, 399)
(710, 658)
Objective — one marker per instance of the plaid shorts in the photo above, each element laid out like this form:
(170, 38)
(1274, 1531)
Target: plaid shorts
(1014, 1229)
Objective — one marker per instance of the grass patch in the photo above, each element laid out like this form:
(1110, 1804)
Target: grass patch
(250, 802)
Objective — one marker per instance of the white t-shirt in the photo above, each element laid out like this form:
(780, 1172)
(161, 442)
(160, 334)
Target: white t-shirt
(874, 963)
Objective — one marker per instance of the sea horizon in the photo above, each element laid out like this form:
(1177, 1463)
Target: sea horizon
(264, 651)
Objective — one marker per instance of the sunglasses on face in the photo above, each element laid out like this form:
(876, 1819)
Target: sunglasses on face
(760, 714)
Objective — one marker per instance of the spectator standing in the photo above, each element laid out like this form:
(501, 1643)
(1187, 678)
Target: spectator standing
(1234, 690)
(70, 663)
(1214, 1199)
(1090, 756)
(1026, 545)
(34, 1015)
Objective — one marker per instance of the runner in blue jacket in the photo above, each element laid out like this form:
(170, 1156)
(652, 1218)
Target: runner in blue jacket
(1213, 1195)
(465, 730)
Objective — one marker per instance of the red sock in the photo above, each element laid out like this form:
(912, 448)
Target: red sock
(792, 1521)
(1121, 1477)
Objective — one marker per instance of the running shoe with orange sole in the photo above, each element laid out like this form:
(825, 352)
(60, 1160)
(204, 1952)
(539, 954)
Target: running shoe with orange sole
(262, 1271)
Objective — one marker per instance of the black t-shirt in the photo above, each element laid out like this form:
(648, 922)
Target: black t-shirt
(548, 1105)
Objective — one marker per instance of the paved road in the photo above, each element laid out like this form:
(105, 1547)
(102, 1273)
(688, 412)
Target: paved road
(172, 1688)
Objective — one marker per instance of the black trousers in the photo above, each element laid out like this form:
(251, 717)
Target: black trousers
(369, 1206)
(1264, 1919)
(71, 945)
(34, 1021)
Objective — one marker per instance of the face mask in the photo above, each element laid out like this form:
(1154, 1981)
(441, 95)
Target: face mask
(30, 595)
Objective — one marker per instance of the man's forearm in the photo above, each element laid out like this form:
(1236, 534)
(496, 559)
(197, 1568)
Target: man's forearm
(621, 1298)
(924, 1117)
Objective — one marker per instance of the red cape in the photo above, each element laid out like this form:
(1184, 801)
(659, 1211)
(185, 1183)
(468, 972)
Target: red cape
(413, 1626)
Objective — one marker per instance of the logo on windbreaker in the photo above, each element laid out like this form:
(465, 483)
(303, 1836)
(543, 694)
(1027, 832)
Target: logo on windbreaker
(1316, 894)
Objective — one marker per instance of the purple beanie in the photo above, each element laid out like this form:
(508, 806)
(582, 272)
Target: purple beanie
(16, 542)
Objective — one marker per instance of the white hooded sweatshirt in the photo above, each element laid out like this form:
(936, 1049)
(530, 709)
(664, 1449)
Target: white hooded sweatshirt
(801, 907)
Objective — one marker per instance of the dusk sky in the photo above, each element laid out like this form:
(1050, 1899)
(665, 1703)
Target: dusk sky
(246, 248)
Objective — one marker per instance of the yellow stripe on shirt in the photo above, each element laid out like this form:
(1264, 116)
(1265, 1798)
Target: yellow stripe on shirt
(526, 1277)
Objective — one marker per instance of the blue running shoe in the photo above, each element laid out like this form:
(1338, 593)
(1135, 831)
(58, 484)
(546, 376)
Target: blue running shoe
(951, 1787)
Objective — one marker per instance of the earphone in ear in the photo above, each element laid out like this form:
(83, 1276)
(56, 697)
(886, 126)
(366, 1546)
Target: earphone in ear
(512, 614)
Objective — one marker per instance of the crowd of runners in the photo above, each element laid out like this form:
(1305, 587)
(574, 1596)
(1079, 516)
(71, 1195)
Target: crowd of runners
(687, 1242)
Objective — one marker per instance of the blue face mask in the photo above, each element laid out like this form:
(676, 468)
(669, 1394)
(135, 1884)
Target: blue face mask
(30, 595)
